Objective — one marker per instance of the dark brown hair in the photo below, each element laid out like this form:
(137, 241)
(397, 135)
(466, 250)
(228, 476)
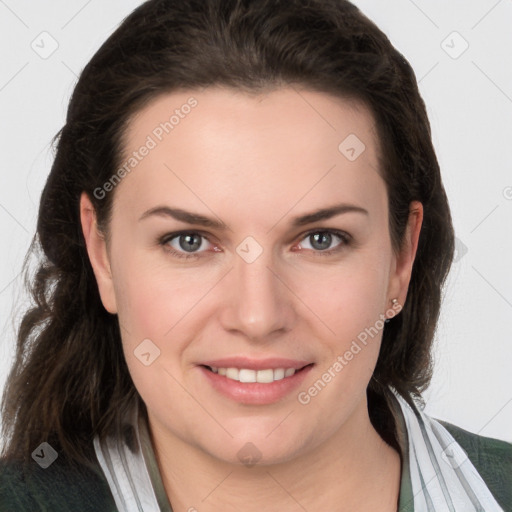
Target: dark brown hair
(70, 381)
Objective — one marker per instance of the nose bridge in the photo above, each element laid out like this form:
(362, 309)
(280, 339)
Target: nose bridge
(259, 304)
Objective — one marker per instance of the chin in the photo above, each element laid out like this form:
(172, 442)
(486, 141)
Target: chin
(259, 450)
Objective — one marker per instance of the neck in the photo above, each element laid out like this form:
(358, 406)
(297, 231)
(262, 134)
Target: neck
(354, 469)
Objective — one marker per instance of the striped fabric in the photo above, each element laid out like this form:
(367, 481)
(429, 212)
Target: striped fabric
(131, 470)
(441, 475)
(437, 475)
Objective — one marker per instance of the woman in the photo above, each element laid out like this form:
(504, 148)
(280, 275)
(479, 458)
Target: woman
(245, 238)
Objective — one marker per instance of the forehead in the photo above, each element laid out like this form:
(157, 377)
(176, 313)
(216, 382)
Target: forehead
(268, 151)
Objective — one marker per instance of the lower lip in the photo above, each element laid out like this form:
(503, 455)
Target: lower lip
(255, 392)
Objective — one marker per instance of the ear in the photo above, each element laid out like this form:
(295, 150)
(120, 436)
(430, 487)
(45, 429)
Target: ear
(98, 255)
(404, 260)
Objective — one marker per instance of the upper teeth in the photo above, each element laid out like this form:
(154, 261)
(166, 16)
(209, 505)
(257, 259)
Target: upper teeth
(246, 375)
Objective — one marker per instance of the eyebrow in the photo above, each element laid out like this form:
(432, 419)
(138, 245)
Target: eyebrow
(208, 222)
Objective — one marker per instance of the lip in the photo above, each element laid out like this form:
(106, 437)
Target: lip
(256, 364)
(255, 393)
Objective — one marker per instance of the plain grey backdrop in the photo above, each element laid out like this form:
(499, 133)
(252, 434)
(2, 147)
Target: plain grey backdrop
(461, 52)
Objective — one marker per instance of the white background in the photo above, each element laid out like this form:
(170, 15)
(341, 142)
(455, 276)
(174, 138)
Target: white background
(469, 99)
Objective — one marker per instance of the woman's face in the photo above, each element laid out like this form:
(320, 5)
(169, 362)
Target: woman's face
(258, 281)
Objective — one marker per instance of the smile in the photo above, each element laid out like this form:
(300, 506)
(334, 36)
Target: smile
(266, 384)
(265, 376)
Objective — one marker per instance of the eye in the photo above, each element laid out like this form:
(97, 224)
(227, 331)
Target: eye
(184, 244)
(321, 239)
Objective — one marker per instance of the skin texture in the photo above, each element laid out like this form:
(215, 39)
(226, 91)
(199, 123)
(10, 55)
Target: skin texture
(255, 163)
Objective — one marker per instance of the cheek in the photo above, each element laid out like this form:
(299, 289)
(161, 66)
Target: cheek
(142, 307)
(148, 309)
(151, 298)
(350, 307)
(350, 296)
(160, 304)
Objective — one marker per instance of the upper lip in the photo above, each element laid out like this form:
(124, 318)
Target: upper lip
(256, 364)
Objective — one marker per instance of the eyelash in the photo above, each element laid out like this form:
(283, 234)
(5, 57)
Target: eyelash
(346, 240)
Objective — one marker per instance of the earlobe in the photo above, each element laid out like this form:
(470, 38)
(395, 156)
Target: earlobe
(98, 255)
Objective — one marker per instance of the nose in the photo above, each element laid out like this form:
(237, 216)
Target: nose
(258, 301)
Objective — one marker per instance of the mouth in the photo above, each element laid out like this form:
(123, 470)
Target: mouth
(255, 386)
(248, 375)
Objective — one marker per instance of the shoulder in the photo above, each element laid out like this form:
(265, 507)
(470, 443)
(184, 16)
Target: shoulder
(58, 487)
(492, 459)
